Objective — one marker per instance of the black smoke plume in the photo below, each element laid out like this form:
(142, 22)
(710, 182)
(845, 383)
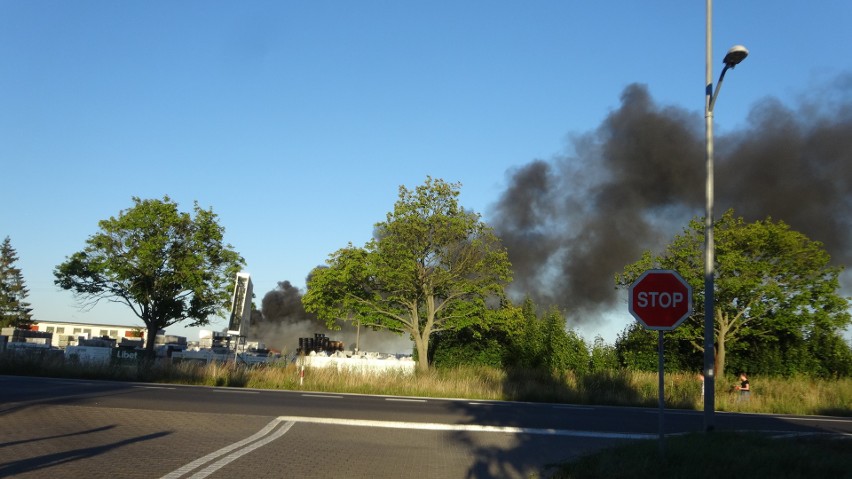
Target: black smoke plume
(572, 223)
(283, 320)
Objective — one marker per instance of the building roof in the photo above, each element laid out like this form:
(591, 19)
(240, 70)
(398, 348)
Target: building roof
(94, 325)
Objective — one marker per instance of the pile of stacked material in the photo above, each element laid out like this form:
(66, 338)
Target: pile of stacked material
(16, 335)
(319, 343)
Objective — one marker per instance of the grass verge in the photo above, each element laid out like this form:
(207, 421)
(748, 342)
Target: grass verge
(797, 395)
(720, 454)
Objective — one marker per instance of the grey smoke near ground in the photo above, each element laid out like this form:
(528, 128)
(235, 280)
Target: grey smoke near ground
(570, 224)
(283, 320)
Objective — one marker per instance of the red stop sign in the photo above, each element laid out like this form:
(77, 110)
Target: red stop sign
(660, 299)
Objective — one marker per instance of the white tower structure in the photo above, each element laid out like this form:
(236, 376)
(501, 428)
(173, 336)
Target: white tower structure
(240, 306)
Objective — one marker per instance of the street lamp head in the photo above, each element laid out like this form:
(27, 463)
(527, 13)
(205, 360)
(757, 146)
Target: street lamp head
(735, 55)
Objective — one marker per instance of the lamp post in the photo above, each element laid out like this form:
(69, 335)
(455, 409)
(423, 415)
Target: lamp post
(735, 56)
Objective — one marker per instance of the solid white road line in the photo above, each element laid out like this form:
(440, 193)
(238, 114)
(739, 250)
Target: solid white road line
(241, 452)
(426, 426)
(230, 453)
(818, 419)
(227, 449)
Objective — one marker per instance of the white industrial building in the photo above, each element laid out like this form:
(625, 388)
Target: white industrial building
(68, 333)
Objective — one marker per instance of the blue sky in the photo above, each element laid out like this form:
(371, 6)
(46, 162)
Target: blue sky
(298, 121)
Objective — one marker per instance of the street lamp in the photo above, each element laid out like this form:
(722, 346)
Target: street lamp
(734, 57)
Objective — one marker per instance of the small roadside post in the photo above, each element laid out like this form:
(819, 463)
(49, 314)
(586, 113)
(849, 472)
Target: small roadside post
(660, 299)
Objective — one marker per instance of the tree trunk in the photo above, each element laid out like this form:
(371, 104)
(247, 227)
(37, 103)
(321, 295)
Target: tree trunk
(422, 345)
(150, 340)
(720, 345)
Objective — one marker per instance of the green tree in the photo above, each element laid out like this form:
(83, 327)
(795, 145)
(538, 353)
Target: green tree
(770, 281)
(431, 268)
(818, 351)
(493, 342)
(514, 337)
(528, 345)
(636, 348)
(602, 357)
(563, 349)
(15, 311)
(544, 343)
(833, 354)
(165, 265)
(473, 346)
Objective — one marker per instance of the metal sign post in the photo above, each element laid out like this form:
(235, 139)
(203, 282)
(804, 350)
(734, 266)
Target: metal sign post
(660, 300)
(662, 393)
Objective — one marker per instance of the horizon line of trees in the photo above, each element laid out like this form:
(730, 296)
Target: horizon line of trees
(522, 337)
(438, 273)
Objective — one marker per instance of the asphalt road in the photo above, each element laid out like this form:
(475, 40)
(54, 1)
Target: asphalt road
(74, 428)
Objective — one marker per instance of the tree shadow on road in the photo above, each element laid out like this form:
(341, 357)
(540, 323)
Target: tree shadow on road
(553, 421)
(57, 436)
(58, 459)
(529, 437)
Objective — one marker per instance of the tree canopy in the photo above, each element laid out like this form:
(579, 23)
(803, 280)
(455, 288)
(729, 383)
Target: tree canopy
(167, 266)
(15, 311)
(771, 282)
(431, 267)
(519, 338)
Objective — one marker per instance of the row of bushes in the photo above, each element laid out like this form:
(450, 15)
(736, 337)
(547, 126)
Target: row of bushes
(529, 341)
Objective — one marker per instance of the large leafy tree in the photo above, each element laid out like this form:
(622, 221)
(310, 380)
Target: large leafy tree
(430, 268)
(771, 281)
(15, 311)
(167, 266)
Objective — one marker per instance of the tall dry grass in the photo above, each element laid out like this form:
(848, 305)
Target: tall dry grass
(799, 395)
(796, 395)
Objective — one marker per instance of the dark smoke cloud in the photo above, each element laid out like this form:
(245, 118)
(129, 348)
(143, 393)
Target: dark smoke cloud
(283, 320)
(572, 223)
